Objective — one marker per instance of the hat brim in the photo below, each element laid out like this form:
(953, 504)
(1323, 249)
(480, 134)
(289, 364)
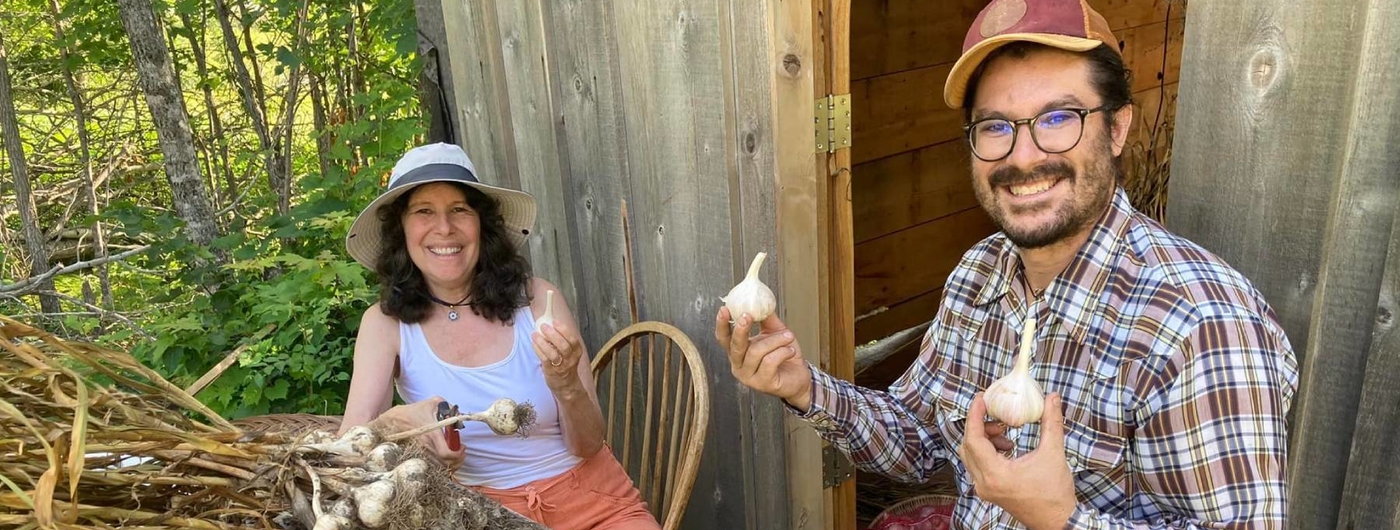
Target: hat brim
(955, 89)
(518, 211)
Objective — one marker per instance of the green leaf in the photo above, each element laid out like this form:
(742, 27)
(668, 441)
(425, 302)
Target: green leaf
(278, 390)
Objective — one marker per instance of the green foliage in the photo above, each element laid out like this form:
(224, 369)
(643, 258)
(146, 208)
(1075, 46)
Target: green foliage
(280, 286)
(296, 309)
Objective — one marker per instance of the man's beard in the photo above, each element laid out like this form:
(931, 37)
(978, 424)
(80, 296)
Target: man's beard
(1083, 207)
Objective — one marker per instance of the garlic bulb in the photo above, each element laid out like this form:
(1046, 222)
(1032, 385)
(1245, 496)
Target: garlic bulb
(751, 295)
(548, 317)
(1016, 399)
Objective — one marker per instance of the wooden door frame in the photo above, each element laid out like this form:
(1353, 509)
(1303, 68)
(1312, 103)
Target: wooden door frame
(831, 21)
(810, 55)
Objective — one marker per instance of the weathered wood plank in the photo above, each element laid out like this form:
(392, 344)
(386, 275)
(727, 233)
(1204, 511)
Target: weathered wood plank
(1369, 499)
(1295, 198)
(524, 50)
(1365, 215)
(912, 188)
(472, 70)
(900, 266)
(770, 141)
(585, 78)
(679, 180)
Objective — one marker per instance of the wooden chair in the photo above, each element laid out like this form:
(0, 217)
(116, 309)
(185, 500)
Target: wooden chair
(655, 395)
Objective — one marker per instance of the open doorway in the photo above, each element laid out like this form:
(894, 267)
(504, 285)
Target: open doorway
(913, 210)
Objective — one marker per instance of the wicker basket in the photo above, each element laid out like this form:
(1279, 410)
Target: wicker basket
(914, 513)
(289, 423)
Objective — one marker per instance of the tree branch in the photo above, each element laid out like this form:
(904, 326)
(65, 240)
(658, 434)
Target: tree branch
(103, 313)
(23, 287)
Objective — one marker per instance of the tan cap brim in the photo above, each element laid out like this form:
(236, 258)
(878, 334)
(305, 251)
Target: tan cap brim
(956, 87)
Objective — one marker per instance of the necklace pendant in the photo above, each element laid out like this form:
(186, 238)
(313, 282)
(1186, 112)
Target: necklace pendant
(452, 315)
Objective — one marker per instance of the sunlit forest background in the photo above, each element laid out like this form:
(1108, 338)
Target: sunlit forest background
(178, 178)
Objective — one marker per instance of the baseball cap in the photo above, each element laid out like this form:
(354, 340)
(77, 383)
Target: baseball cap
(1065, 24)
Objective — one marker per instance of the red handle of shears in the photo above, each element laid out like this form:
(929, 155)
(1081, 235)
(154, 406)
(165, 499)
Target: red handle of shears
(449, 432)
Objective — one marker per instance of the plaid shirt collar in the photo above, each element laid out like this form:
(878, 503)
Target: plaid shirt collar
(1075, 296)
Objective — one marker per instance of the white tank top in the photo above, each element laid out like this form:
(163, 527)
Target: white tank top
(492, 460)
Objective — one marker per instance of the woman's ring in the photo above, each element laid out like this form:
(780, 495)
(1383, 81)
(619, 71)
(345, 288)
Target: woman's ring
(556, 362)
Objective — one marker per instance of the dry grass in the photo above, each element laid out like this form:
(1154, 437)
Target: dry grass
(90, 438)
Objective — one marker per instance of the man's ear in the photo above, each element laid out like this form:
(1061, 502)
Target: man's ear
(1122, 123)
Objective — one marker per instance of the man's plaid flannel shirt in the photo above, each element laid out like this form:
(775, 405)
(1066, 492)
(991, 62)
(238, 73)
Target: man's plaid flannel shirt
(1175, 376)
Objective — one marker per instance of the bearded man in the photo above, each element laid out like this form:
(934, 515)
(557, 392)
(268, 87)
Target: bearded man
(1167, 376)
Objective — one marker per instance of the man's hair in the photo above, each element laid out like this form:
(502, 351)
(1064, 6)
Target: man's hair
(1108, 75)
(499, 285)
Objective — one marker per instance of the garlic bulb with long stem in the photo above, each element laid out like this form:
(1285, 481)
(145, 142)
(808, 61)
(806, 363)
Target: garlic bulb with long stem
(1016, 399)
(548, 317)
(751, 295)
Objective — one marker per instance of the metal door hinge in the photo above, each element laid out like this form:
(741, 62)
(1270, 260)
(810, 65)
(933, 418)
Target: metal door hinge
(836, 468)
(833, 123)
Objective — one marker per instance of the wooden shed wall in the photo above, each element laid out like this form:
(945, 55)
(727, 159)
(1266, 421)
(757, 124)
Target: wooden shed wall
(914, 209)
(1285, 165)
(678, 108)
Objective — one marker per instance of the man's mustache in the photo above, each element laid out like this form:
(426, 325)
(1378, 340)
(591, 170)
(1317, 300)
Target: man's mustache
(1011, 175)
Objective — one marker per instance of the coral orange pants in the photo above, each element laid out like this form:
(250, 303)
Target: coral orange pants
(597, 494)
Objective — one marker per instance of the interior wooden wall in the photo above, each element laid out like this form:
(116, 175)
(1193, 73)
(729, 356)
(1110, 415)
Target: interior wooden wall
(1285, 165)
(914, 209)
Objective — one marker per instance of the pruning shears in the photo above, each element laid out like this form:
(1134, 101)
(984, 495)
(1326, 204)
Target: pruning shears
(449, 432)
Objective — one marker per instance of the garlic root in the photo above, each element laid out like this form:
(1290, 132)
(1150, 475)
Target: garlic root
(751, 295)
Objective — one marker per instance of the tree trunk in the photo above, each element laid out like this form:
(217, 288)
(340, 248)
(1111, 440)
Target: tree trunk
(216, 125)
(276, 169)
(28, 214)
(156, 76)
(75, 93)
(318, 122)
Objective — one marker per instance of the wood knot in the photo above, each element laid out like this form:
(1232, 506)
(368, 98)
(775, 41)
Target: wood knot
(1263, 69)
(1384, 316)
(792, 64)
(750, 142)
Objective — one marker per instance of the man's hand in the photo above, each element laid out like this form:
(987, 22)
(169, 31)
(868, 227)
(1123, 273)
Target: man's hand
(1036, 488)
(770, 362)
(411, 416)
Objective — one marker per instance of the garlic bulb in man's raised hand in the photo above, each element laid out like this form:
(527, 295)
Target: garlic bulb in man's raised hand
(1016, 399)
(751, 295)
(548, 317)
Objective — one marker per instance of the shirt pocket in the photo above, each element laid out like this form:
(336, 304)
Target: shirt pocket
(1088, 451)
(953, 397)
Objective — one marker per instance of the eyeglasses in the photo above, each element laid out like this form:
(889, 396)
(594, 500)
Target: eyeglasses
(1053, 131)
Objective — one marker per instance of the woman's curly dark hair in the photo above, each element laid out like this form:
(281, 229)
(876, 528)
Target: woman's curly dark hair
(499, 285)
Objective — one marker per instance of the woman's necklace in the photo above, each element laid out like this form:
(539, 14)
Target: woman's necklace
(451, 307)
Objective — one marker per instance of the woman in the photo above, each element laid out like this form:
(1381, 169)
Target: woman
(456, 321)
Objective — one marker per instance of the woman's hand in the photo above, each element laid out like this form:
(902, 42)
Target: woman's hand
(411, 416)
(559, 348)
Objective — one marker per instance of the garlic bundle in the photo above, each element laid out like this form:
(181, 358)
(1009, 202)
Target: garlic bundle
(751, 295)
(548, 317)
(1016, 399)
